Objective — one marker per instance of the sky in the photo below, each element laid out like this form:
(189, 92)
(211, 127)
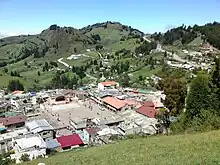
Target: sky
(33, 16)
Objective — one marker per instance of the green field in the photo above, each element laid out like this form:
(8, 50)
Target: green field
(129, 44)
(201, 148)
(145, 72)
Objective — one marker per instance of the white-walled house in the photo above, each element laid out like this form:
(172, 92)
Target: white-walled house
(107, 85)
(33, 145)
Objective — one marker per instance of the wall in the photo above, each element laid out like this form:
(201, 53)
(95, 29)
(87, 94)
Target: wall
(84, 135)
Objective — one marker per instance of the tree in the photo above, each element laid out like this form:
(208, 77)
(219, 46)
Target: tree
(125, 80)
(38, 73)
(140, 78)
(165, 54)
(199, 96)
(15, 85)
(95, 62)
(46, 66)
(52, 63)
(25, 158)
(175, 91)
(215, 84)
(6, 70)
(98, 47)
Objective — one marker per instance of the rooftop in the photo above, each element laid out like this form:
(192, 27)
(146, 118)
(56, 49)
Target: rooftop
(13, 120)
(39, 126)
(108, 83)
(93, 131)
(147, 111)
(114, 102)
(70, 140)
(31, 141)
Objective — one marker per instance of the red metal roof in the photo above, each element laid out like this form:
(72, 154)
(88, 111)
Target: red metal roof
(148, 104)
(114, 102)
(13, 120)
(93, 131)
(17, 92)
(147, 111)
(70, 140)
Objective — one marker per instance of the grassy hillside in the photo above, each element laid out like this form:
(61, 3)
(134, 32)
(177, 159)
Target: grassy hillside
(200, 148)
(27, 54)
(111, 33)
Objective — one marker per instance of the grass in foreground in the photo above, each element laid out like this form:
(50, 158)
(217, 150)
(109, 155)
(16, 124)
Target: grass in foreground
(202, 148)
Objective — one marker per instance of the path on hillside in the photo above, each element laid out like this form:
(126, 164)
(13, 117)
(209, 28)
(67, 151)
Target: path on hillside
(146, 39)
(70, 67)
(64, 63)
(159, 48)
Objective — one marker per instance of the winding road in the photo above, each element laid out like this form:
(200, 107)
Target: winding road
(70, 67)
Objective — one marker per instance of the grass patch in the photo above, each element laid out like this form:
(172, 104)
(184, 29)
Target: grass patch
(196, 42)
(129, 44)
(145, 72)
(202, 148)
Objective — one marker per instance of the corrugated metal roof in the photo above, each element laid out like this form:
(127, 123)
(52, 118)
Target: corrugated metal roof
(37, 126)
(70, 140)
(52, 143)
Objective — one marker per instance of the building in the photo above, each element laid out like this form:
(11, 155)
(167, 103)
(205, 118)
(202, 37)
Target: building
(42, 127)
(6, 138)
(13, 121)
(114, 104)
(107, 85)
(110, 121)
(33, 145)
(128, 128)
(135, 123)
(147, 109)
(70, 141)
(88, 135)
(78, 123)
(52, 145)
(104, 136)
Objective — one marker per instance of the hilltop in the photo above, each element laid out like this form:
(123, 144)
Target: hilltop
(201, 148)
(191, 35)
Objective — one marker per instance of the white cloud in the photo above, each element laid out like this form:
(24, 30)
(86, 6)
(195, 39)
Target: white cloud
(17, 32)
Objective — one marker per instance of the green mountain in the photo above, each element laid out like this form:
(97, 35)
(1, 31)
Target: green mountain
(184, 35)
(54, 41)
(110, 34)
(27, 54)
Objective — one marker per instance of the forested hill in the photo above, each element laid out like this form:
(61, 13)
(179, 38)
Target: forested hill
(211, 33)
(186, 34)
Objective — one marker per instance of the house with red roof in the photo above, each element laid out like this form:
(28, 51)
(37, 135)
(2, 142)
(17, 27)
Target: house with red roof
(107, 85)
(70, 141)
(114, 104)
(147, 109)
(13, 121)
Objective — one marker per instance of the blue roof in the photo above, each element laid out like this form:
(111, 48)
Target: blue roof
(52, 143)
(32, 93)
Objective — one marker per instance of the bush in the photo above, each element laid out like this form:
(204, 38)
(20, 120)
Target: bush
(206, 121)
(24, 158)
